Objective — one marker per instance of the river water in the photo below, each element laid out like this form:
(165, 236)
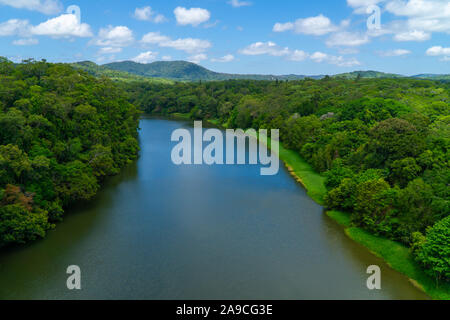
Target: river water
(160, 231)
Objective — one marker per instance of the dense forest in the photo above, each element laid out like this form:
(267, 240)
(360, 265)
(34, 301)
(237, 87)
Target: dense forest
(62, 132)
(382, 144)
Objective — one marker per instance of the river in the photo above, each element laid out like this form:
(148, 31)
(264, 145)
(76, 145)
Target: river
(161, 231)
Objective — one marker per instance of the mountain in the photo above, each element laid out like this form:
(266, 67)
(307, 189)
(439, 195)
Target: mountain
(187, 71)
(102, 71)
(166, 71)
(444, 77)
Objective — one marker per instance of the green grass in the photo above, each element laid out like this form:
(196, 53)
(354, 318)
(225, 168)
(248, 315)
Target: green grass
(182, 116)
(399, 258)
(313, 182)
(343, 218)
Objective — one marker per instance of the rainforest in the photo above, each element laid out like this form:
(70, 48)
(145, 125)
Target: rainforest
(380, 147)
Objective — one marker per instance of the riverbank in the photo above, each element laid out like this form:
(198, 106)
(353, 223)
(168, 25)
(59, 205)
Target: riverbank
(395, 254)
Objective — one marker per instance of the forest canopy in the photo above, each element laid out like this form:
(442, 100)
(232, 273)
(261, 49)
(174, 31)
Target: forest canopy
(382, 144)
(62, 132)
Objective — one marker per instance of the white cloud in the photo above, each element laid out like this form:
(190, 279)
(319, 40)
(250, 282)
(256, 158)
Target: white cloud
(261, 48)
(147, 14)
(395, 53)
(120, 36)
(109, 50)
(316, 26)
(65, 25)
(15, 27)
(336, 60)
(193, 16)
(347, 39)
(188, 45)
(198, 58)
(145, 57)
(418, 18)
(226, 58)
(25, 42)
(282, 27)
(413, 35)
(166, 58)
(361, 6)
(43, 6)
(154, 38)
(298, 55)
(238, 4)
(270, 48)
(438, 51)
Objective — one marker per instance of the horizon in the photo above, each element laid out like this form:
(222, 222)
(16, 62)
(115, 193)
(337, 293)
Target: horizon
(236, 37)
(264, 74)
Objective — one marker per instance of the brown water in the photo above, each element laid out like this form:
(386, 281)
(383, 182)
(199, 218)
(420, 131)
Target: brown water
(158, 231)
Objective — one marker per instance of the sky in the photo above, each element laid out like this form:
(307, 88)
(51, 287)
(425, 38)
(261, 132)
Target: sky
(235, 36)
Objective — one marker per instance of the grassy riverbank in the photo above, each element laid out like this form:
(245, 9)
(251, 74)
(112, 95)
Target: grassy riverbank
(396, 255)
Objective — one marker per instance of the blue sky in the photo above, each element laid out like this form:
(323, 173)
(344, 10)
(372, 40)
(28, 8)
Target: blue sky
(235, 36)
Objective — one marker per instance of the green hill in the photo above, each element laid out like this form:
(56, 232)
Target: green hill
(367, 75)
(166, 71)
(102, 71)
(187, 71)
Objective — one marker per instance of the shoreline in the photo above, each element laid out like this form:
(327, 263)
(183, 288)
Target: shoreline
(394, 254)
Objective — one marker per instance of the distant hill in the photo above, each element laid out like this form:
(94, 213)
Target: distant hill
(187, 71)
(102, 71)
(367, 75)
(445, 77)
(162, 71)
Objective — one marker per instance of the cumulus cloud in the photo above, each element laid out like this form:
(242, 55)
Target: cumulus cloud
(272, 49)
(15, 27)
(418, 19)
(439, 51)
(198, 58)
(119, 36)
(269, 48)
(316, 26)
(65, 25)
(147, 14)
(193, 16)
(282, 27)
(347, 39)
(226, 58)
(43, 6)
(413, 35)
(109, 50)
(336, 60)
(395, 53)
(145, 57)
(238, 4)
(188, 45)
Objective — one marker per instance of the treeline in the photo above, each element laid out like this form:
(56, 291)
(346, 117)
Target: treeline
(382, 145)
(61, 132)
